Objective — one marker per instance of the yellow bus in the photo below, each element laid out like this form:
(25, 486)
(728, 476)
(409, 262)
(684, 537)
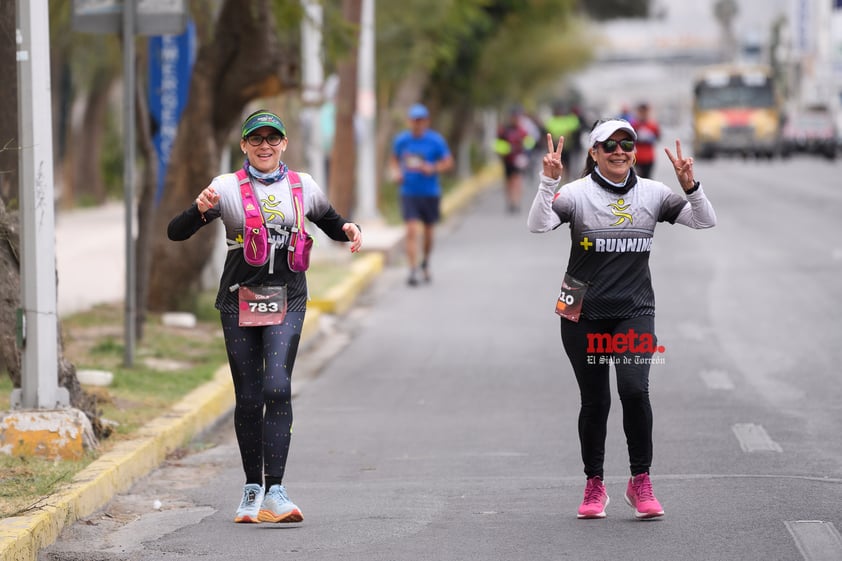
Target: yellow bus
(736, 110)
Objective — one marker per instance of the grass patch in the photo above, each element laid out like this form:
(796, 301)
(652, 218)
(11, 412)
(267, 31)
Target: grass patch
(169, 363)
(27, 481)
(325, 275)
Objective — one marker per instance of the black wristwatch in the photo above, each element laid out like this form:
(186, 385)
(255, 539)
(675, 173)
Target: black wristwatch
(692, 189)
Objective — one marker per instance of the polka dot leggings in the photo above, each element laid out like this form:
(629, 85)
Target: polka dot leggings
(261, 361)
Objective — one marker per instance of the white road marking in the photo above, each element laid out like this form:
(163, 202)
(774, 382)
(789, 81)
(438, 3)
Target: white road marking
(717, 379)
(754, 438)
(816, 540)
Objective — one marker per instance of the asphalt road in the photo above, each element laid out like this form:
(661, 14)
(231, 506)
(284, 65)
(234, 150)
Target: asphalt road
(439, 422)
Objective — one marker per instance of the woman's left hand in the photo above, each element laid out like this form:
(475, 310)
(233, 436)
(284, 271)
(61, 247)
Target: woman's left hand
(552, 159)
(354, 235)
(683, 167)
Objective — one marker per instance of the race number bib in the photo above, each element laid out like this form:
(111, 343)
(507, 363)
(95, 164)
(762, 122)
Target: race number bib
(262, 305)
(569, 305)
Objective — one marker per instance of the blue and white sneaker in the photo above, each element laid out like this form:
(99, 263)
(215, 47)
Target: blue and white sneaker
(250, 505)
(278, 508)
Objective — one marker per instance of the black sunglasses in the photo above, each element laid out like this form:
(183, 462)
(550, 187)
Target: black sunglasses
(273, 139)
(608, 146)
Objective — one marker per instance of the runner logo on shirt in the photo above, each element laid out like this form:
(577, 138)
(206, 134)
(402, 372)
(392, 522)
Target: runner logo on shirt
(617, 210)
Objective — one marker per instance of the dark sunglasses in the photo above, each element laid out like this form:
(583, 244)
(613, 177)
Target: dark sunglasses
(608, 146)
(256, 140)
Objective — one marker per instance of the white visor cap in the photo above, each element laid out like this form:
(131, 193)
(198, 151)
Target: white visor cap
(604, 130)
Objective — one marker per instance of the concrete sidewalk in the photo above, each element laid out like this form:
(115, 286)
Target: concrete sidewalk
(78, 255)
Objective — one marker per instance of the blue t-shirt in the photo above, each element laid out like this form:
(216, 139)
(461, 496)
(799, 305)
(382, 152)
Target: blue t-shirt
(411, 152)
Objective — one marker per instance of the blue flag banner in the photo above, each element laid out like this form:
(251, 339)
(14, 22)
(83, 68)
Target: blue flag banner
(171, 60)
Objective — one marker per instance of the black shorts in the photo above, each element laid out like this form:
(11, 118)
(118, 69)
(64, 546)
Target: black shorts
(510, 169)
(425, 209)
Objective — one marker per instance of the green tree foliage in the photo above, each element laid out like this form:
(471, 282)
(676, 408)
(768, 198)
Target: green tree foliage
(530, 46)
(466, 54)
(85, 67)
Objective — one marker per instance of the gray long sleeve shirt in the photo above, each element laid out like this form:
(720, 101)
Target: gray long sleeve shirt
(611, 231)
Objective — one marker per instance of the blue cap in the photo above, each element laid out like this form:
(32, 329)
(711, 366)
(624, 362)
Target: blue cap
(418, 111)
(263, 119)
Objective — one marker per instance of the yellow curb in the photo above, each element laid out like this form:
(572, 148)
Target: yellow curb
(311, 324)
(469, 188)
(21, 537)
(338, 299)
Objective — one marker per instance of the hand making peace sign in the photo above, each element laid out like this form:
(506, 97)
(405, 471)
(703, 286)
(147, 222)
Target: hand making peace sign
(552, 161)
(683, 167)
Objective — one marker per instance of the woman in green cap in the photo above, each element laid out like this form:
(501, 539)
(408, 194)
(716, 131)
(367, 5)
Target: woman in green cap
(262, 299)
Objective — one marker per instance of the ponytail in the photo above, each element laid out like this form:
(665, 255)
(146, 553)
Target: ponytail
(590, 164)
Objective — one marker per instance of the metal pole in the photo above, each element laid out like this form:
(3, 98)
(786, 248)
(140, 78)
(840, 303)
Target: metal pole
(39, 381)
(366, 111)
(313, 78)
(129, 12)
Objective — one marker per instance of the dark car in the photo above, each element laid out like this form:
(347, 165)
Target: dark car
(810, 131)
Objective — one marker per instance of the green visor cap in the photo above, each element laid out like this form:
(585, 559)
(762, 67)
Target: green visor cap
(263, 119)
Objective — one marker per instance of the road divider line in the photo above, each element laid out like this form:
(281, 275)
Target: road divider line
(717, 379)
(816, 540)
(754, 438)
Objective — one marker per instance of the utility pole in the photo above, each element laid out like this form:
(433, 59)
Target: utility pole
(128, 31)
(366, 111)
(39, 320)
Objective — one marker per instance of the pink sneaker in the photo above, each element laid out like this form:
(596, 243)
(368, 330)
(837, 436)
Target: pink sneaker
(596, 499)
(641, 498)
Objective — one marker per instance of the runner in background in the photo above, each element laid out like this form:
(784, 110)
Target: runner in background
(514, 141)
(648, 134)
(566, 122)
(419, 155)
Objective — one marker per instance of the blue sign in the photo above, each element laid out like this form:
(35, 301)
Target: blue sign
(171, 60)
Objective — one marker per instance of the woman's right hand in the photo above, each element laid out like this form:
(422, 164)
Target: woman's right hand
(207, 199)
(552, 160)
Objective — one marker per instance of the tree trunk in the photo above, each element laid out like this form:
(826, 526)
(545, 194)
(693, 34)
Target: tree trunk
(462, 125)
(85, 183)
(10, 353)
(392, 118)
(145, 208)
(9, 100)
(9, 293)
(242, 62)
(343, 157)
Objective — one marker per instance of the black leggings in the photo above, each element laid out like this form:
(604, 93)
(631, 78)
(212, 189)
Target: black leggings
(591, 369)
(261, 361)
